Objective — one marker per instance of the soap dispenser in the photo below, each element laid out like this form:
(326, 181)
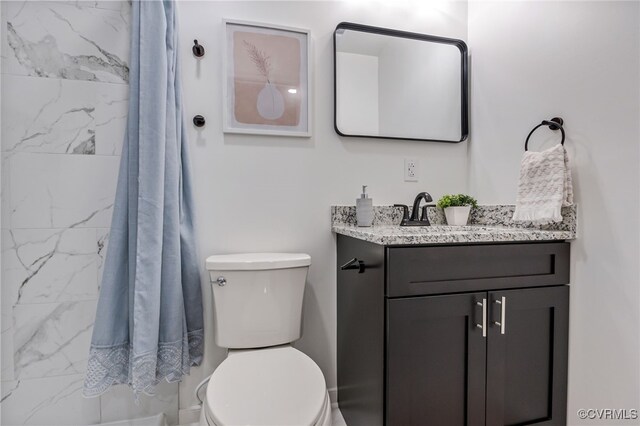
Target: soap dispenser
(364, 209)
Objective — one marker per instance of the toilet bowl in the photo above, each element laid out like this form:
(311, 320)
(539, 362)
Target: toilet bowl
(272, 386)
(258, 312)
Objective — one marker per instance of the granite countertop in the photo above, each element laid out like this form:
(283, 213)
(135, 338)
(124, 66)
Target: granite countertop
(441, 234)
(486, 224)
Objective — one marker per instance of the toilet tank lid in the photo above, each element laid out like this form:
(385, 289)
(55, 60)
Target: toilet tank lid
(257, 261)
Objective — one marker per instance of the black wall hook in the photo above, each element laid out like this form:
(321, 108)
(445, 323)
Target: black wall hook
(198, 49)
(555, 123)
(198, 121)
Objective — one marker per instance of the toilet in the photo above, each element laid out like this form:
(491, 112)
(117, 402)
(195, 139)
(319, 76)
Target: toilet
(257, 299)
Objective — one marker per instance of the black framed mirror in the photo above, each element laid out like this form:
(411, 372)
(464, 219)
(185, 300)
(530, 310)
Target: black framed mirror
(394, 84)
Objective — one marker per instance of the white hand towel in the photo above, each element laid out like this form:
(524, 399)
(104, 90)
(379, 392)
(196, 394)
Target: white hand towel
(545, 186)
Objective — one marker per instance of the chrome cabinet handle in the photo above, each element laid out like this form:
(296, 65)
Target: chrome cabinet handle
(503, 318)
(483, 326)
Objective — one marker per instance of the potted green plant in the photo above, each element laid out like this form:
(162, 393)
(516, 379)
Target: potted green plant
(456, 208)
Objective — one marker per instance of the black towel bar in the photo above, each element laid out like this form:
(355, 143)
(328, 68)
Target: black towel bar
(554, 124)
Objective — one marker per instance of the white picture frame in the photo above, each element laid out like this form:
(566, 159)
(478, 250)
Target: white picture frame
(267, 79)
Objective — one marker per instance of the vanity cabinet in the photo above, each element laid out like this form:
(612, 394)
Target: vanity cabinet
(471, 334)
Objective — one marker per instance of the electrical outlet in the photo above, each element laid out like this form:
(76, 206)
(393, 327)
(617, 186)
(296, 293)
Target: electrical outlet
(411, 170)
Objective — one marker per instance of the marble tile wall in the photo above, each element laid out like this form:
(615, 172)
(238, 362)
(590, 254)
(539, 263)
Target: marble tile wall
(64, 105)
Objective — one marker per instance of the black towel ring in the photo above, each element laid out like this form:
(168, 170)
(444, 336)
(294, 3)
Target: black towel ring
(554, 124)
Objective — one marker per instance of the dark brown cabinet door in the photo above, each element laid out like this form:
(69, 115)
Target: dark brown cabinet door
(527, 357)
(436, 361)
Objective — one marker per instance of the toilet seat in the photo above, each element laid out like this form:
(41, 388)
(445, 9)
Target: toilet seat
(271, 386)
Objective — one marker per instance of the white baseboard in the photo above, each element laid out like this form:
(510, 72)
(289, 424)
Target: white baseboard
(333, 397)
(189, 415)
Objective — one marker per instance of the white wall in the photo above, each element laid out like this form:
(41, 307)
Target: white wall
(258, 193)
(579, 60)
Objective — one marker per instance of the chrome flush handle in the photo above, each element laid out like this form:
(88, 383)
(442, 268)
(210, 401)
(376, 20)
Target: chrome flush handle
(483, 326)
(221, 281)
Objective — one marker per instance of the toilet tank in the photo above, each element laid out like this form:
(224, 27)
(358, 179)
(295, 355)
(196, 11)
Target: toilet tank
(257, 298)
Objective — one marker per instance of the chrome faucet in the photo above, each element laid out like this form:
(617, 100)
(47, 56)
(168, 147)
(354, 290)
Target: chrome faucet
(413, 220)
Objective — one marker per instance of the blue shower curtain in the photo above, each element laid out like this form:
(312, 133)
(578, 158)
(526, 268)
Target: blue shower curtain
(149, 318)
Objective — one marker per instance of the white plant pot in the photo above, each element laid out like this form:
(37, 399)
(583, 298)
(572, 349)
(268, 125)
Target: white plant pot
(457, 216)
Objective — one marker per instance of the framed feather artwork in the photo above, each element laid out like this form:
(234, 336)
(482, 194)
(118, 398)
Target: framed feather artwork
(267, 74)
